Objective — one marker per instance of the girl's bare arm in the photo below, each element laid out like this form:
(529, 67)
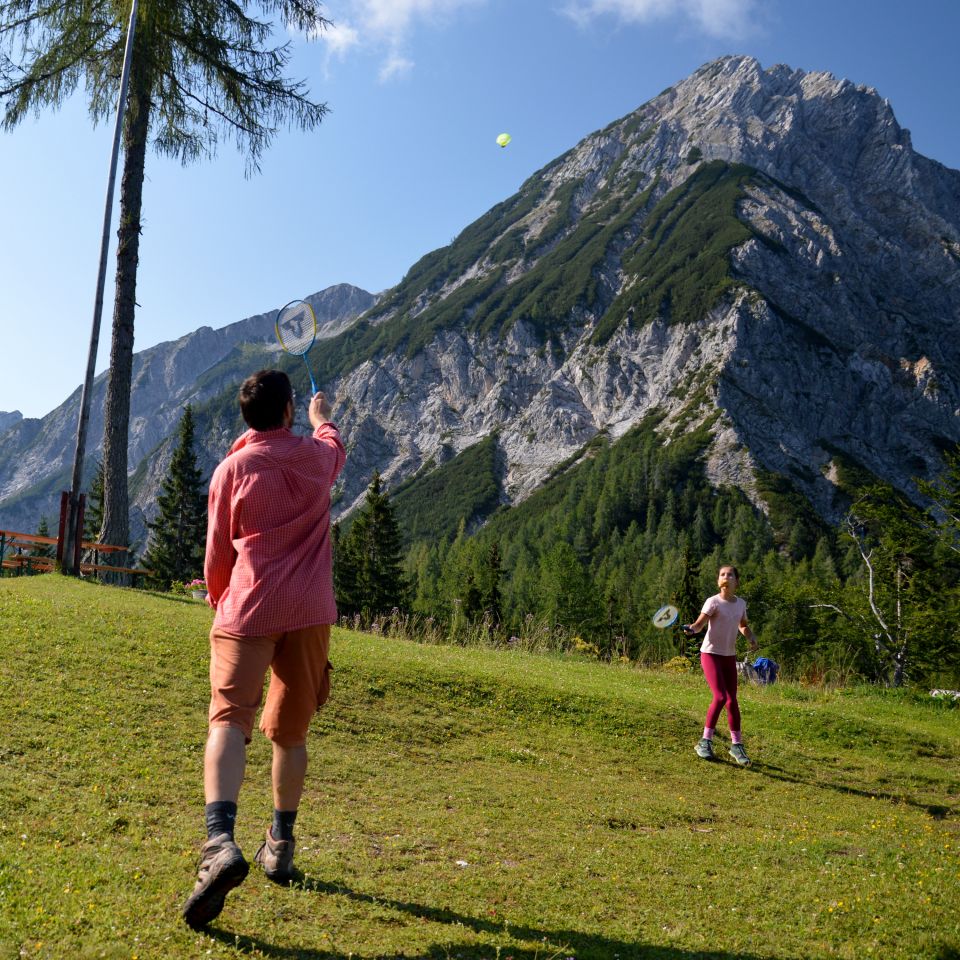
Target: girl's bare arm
(697, 624)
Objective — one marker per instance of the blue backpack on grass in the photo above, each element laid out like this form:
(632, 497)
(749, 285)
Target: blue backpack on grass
(766, 669)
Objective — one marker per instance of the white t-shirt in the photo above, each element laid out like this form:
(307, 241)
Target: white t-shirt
(725, 619)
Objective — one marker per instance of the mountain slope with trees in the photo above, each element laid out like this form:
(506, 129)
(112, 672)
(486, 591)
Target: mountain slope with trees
(714, 329)
(697, 260)
(634, 524)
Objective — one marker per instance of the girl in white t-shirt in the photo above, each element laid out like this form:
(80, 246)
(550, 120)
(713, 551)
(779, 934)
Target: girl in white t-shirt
(723, 614)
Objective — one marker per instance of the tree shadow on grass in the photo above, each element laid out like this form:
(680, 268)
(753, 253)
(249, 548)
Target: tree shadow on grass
(536, 944)
(936, 810)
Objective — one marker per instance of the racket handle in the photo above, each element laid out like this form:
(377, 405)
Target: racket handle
(313, 382)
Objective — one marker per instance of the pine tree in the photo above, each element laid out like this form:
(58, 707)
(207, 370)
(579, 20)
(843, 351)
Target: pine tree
(199, 69)
(569, 599)
(490, 598)
(523, 586)
(688, 601)
(424, 568)
(370, 558)
(345, 564)
(472, 600)
(456, 569)
(93, 512)
(176, 544)
(822, 565)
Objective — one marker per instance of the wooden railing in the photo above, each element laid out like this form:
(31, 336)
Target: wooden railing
(19, 555)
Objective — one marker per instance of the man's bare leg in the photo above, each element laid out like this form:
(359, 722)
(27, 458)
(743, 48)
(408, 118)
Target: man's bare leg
(289, 772)
(222, 865)
(224, 763)
(276, 853)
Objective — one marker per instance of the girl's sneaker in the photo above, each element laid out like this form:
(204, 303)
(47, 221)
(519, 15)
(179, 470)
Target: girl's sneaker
(705, 749)
(739, 753)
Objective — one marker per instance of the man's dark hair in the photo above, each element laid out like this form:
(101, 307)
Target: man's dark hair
(264, 398)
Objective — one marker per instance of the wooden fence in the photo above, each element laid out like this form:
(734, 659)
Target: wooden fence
(28, 553)
(24, 553)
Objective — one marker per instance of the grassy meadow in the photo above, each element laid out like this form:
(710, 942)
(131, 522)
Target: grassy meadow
(463, 803)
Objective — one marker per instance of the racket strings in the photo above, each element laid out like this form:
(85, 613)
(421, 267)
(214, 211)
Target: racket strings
(666, 616)
(296, 328)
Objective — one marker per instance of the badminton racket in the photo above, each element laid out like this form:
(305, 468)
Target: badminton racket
(296, 329)
(665, 617)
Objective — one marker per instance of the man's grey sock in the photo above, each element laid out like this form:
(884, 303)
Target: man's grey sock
(220, 816)
(283, 821)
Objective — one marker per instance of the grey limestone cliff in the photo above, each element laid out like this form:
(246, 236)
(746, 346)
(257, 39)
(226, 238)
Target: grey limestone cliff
(836, 333)
(8, 420)
(36, 456)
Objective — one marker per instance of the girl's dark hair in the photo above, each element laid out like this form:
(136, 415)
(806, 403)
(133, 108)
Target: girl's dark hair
(729, 566)
(264, 398)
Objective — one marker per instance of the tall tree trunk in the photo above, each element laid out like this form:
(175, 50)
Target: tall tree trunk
(116, 508)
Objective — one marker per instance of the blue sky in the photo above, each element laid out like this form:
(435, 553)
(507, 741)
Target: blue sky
(418, 91)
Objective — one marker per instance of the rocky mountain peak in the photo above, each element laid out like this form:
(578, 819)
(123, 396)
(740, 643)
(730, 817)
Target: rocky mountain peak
(819, 133)
(753, 237)
(8, 420)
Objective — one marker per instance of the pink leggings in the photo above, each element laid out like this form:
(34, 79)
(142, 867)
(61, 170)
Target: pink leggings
(721, 674)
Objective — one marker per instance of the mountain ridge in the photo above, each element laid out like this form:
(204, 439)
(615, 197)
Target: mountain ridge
(36, 455)
(758, 251)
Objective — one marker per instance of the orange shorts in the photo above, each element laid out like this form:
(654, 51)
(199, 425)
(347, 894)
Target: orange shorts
(299, 681)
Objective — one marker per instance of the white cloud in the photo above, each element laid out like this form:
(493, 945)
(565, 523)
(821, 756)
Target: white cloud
(386, 25)
(718, 18)
(394, 66)
(339, 38)
(723, 18)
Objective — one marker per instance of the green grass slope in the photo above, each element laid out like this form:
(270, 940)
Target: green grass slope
(462, 804)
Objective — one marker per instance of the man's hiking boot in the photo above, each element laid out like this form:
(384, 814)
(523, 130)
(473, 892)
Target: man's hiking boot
(704, 749)
(222, 867)
(739, 753)
(276, 858)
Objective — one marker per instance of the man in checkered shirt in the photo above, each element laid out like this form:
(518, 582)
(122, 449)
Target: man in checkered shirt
(270, 580)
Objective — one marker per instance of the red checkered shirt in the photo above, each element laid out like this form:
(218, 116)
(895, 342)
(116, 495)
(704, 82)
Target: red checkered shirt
(268, 564)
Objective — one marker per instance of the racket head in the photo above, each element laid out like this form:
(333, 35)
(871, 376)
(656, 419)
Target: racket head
(666, 616)
(296, 327)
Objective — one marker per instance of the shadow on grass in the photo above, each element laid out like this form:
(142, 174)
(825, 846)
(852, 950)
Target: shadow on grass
(539, 944)
(936, 810)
